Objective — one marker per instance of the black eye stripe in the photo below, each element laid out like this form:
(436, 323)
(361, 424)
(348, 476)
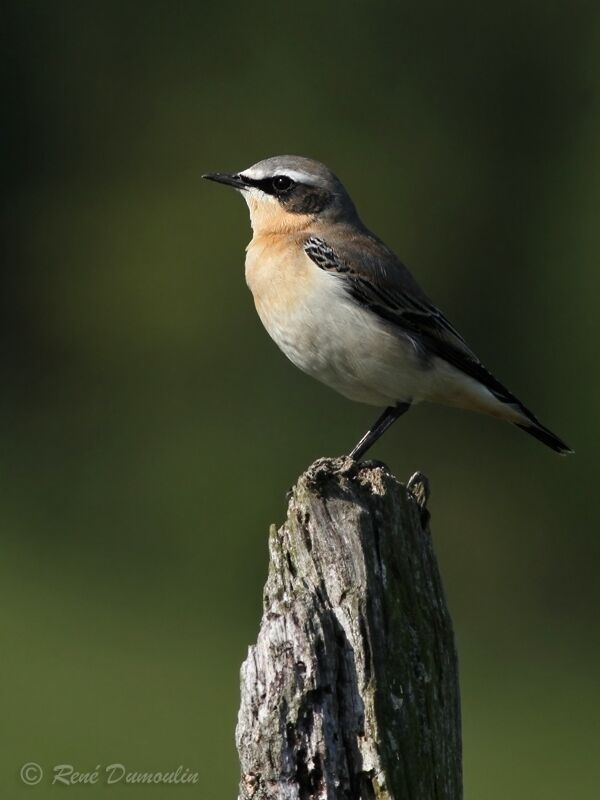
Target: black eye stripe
(266, 185)
(282, 183)
(298, 198)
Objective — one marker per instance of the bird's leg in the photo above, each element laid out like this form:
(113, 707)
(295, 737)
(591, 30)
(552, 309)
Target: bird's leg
(389, 416)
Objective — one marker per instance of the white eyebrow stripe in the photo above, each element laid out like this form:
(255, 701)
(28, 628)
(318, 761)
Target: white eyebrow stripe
(299, 177)
(258, 174)
(254, 173)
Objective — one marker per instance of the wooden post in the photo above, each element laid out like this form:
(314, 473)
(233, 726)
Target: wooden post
(351, 691)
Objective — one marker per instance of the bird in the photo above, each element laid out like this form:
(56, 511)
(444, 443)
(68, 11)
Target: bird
(344, 308)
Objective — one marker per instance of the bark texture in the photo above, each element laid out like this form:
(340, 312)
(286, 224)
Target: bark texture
(351, 691)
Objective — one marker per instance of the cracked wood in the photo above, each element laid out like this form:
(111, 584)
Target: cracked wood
(351, 690)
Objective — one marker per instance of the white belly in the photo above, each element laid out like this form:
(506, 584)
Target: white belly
(327, 335)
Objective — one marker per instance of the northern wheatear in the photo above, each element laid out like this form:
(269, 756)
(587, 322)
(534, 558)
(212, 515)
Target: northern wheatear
(344, 309)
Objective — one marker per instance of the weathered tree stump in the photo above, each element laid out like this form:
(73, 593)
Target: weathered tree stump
(351, 691)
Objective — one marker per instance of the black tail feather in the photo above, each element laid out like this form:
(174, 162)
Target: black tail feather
(534, 428)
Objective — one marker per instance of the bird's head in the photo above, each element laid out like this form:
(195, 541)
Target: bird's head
(289, 193)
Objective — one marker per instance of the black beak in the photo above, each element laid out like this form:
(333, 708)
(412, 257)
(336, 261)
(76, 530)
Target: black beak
(229, 180)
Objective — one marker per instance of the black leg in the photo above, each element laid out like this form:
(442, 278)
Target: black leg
(389, 416)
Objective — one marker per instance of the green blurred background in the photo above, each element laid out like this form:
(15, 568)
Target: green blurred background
(149, 428)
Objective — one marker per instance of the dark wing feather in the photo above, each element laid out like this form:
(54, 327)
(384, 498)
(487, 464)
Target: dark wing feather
(388, 290)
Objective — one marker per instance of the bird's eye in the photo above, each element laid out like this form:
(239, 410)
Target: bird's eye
(281, 183)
